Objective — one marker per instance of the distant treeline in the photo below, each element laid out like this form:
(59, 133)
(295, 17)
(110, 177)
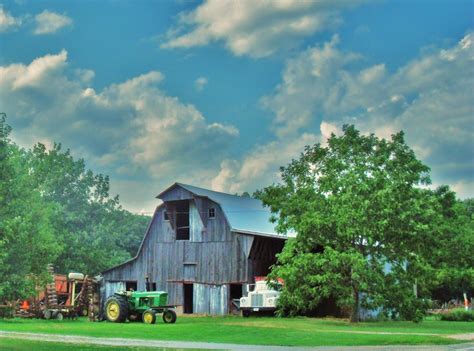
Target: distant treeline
(54, 210)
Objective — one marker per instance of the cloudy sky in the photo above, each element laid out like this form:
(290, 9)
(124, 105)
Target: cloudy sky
(220, 93)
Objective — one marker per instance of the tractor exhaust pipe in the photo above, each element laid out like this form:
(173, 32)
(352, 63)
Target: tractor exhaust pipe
(147, 283)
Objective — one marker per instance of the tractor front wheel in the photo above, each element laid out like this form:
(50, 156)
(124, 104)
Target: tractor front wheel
(116, 309)
(149, 317)
(169, 316)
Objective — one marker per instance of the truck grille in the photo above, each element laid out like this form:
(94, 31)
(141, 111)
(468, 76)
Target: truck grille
(257, 300)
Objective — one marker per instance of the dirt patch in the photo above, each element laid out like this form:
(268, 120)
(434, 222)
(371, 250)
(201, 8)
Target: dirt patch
(467, 336)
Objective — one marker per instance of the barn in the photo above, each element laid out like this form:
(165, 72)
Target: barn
(201, 246)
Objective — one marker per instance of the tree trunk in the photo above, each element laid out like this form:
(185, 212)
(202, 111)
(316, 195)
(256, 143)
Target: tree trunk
(355, 308)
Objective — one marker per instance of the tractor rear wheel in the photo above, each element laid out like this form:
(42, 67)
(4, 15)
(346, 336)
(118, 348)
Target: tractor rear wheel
(116, 309)
(149, 317)
(169, 316)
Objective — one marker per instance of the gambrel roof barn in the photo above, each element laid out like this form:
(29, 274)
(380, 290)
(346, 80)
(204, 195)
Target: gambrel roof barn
(201, 246)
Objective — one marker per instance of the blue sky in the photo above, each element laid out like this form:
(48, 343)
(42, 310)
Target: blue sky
(220, 94)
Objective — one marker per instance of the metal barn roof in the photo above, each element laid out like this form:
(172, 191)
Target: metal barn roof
(244, 214)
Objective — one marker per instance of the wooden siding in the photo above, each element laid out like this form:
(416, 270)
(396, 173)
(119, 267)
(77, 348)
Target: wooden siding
(195, 223)
(176, 193)
(210, 299)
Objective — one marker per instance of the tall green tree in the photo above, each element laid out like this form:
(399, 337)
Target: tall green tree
(94, 231)
(358, 209)
(452, 256)
(27, 236)
(54, 210)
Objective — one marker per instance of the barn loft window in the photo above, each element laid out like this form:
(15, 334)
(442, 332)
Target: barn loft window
(182, 220)
(212, 212)
(165, 216)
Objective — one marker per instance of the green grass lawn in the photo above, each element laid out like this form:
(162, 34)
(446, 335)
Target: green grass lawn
(258, 331)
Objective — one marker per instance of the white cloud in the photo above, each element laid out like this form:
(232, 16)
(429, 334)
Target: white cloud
(327, 130)
(7, 21)
(255, 28)
(372, 74)
(464, 187)
(200, 83)
(430, 98)
(261, 166)
(48, 22)
(130, 129)
(134, 130)
(32, 75)
(312, 86)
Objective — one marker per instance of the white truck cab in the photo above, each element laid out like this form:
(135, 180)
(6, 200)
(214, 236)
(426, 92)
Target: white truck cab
(260, 297)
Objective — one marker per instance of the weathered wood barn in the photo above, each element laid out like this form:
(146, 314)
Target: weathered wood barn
(201, 246)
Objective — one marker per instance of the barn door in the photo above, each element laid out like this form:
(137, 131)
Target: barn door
(188, 298)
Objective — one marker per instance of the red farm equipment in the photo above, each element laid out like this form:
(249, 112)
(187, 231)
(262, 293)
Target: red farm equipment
(64, 296)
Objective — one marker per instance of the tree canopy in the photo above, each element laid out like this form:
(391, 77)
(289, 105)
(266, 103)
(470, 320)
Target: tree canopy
(27, 236)
(365, 224)
(94, 231)
(452, 257)
(54, 210)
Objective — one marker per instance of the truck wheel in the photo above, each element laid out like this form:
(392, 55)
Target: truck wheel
(246, 313)
(116, 309)
(169, 316)
(59, 316)
(149, 317)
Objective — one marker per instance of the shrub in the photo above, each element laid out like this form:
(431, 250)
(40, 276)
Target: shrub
(7, 311)
(458, 315)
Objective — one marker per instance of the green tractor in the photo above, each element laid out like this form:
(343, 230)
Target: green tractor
(136, 306)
